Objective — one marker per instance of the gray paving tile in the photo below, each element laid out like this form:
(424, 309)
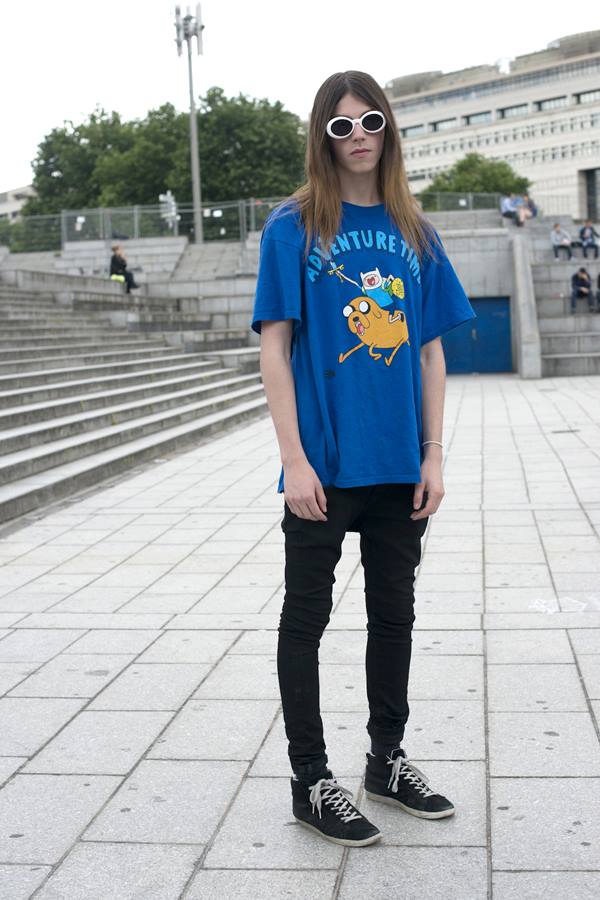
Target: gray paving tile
(70, 802)
(528, 646)
(122, 872)
(12, 674)
(549, 885)
(543, 743)
(101, 640)
(151, 686)
(100, 742)
(422, 872)
(19, 882)
(216, 729)
(169, 801)
(248, 884)
(590, 670)
(72, 675)
(244, 677)
(463, 783)
(36, 646)
(189, 647)
(545, 823)
(584, 640)
(259, 832)
(29, 722)
(549, 687)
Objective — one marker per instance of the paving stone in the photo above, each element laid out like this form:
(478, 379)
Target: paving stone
(70, 802)
(100, 742)
(543, 743)
(232, 598)
(169, 801)
(584, 640)
(590, 669)
(244, 677)
(438, 873)
(549, 687)
(36, 646)
(151, 686)
(528, 647)
(216, 729)
(545, 823)
(94, 620)
(259, 832)
(248, 884)
(189, 647)
(19, 882)
(122, 872)
(549, 885)
(463, 783)
(14, 673)
(72, 675)
(29, 722)
(100, 640)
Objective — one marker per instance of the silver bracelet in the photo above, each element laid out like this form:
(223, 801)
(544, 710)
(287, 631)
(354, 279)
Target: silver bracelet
(432, 442)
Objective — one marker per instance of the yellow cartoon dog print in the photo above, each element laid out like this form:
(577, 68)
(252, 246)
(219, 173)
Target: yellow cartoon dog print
(375, 328)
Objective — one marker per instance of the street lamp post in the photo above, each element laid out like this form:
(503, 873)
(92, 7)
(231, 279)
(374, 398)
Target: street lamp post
(187, 28)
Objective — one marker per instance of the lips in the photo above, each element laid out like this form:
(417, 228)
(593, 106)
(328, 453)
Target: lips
(359, 152)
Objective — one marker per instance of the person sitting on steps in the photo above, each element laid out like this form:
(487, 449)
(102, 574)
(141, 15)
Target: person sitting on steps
(118, 267)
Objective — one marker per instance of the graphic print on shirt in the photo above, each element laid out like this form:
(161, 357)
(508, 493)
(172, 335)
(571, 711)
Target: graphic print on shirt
(366, 313)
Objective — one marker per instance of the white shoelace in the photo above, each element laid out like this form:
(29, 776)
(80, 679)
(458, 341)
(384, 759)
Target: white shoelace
(408, 770)
(334, 795)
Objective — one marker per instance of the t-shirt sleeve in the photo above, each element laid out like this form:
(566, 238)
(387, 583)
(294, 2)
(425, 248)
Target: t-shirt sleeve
(279, 283)
(445, 304)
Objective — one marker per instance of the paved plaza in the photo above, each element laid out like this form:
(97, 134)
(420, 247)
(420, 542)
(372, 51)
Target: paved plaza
(142, 750)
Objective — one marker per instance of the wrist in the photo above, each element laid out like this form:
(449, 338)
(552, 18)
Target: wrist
(433, 449)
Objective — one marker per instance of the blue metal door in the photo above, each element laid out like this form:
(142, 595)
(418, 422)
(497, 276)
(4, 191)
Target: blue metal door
(482, 344)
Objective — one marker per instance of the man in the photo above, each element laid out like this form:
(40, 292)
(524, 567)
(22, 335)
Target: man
(581, 286)
(561, 239)
(587, 233)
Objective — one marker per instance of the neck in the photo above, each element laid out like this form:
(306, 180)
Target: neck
(359, 189)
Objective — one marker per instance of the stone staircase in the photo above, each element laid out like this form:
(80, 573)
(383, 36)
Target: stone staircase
(570, 344)
(82, 399)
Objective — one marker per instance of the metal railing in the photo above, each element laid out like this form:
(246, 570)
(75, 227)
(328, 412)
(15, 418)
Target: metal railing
(230, 220)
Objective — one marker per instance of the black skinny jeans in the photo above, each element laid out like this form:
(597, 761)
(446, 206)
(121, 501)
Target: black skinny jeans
(390, 547)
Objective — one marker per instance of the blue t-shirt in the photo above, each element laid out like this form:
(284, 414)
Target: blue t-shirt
(360, 316)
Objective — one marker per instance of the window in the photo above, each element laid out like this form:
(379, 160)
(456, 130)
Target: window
(520, 110)
(443, 124)
(478, 118)
(413, 130)
(551, 103)
(588, 96)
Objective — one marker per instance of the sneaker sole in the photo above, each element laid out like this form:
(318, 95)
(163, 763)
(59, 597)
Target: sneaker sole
(344, 841)
(414, 812)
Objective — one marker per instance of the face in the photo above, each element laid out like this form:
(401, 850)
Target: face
(343, 149)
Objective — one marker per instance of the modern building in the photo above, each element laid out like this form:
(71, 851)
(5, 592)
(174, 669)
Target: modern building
(542, 116)
(11, 202)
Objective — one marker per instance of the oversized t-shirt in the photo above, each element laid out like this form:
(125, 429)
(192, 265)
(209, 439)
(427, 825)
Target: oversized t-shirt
(361, 314)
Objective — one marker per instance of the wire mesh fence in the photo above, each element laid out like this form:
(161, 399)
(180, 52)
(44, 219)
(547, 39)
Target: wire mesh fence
(230, 220)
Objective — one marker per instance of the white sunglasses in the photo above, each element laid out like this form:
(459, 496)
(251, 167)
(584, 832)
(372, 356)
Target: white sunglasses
(371, 121)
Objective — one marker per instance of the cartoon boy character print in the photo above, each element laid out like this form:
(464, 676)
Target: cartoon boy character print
(366, 314)
(383, 291)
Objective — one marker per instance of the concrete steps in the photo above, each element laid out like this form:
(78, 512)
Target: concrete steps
(82, 400)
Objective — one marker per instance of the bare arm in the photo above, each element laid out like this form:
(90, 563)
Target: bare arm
(433, 381)
(303, 490)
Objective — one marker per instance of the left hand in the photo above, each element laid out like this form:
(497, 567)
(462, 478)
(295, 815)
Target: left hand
(432, 482)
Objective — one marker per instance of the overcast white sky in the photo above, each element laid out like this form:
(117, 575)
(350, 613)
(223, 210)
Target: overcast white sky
(59, 58)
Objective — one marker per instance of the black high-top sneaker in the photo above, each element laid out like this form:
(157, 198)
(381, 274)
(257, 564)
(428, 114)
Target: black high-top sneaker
(393, 779)
(324, 807)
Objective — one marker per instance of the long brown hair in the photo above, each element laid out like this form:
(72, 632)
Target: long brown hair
(319, 198)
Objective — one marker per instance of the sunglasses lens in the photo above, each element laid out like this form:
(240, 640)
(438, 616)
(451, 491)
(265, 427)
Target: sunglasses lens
(373, 121)
(341, 127)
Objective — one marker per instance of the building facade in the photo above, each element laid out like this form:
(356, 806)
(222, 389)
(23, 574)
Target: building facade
(542, 116)
(11, 202)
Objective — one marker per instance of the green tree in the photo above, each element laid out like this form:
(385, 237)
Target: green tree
(248, 148)
(149, 166)
(477, 174)
(66, 166)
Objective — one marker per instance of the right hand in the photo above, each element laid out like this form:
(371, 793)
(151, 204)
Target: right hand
(304, 492)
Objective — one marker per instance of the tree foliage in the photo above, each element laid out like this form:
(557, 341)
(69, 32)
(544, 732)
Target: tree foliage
(248, 148)
(475, 173)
